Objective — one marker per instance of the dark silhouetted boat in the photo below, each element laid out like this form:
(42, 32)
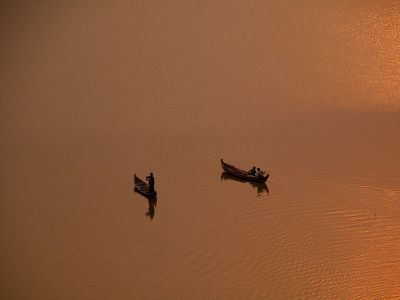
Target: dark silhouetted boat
(236, 172)
(143, 188)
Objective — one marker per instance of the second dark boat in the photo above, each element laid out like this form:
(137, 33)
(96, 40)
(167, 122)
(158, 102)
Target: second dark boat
(232, 170)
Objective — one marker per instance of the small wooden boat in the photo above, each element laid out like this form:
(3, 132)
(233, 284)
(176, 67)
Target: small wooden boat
(143, 188)
(232, 170)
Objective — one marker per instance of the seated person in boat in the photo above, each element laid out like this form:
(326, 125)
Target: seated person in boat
(260, 172)
(150, 179)
(252, 171)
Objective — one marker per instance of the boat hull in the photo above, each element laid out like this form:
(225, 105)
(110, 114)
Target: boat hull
(143, 188)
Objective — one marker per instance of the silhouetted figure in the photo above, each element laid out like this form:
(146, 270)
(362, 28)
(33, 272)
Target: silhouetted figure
(260, 172)
(150, 179)
(252, 171)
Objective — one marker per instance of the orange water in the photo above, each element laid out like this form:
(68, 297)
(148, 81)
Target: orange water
(92, 93)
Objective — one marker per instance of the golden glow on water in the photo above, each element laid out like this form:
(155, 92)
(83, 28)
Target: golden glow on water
(92, 93)
(357, 55)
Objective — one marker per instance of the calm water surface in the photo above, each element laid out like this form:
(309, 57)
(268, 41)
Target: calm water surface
(91, 94)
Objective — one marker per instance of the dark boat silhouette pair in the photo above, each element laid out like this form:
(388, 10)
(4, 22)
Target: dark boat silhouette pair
(231, 172)
(143, 188)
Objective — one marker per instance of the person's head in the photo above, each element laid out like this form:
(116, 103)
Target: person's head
(151, 174)
(258, 169)
(254, 168)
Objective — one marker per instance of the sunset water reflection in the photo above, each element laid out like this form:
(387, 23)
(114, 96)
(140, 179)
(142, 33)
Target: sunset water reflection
(94, 92)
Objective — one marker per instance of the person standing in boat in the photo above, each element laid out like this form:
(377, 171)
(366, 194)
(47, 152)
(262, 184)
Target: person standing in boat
(260, 172)
(252, 171)
(150, 179)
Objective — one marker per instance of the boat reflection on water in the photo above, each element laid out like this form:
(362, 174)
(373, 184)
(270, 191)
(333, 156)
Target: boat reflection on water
(151, 210)
(152, 204)
(261, 187)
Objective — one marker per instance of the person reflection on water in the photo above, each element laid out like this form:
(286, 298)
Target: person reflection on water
(150, 179)
(151, 210)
